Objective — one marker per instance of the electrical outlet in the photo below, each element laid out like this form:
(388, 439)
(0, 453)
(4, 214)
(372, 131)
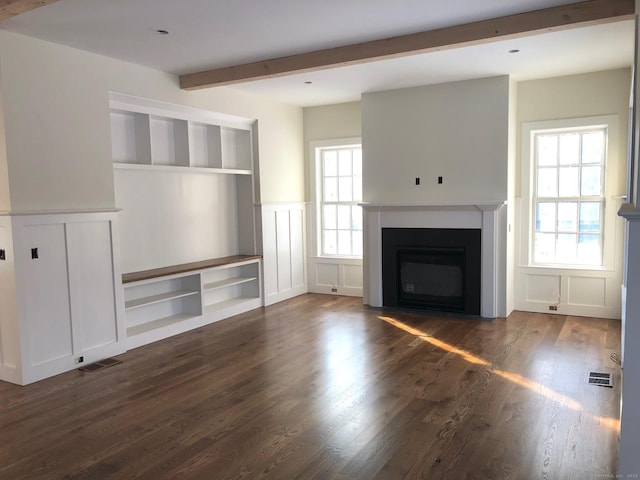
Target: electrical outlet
(417, 180)
(3, 255)
(34, 253)
(334, 290)
(439, 180)
(553, 308)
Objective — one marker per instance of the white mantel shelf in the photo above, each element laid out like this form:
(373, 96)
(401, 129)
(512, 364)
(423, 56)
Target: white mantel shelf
(480, 205)
(629, 212)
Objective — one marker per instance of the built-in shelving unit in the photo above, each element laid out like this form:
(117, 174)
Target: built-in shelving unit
(147, 133)
(171, 300)
(184, 182)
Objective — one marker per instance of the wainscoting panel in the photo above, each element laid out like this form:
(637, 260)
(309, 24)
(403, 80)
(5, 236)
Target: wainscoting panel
(587, 291)
(340, 276)
(543, 288)
(353, 276)
(283, 251)
(61, 292)
(327, 275)
(570, 292)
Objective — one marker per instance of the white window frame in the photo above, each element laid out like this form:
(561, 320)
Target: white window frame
(315, 184)
(529, 129)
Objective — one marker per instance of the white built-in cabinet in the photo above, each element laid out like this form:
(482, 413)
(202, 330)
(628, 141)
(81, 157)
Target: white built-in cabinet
(197, 166)
(61, 293)
(159, 303)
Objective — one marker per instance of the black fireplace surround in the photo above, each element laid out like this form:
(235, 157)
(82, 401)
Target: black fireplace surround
(432, 269)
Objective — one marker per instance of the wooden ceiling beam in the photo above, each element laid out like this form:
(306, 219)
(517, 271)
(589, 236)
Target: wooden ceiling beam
(553, 19)
(11, 8)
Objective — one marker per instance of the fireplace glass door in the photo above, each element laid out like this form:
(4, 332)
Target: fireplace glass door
(431, 278)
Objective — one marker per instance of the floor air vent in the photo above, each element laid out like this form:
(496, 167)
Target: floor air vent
(107, 362)
(600, 379)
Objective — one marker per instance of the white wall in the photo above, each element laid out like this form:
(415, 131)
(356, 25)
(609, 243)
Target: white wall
(329, 122)
(57, 125)
(456, 130)
(170, 218)
(5, 198)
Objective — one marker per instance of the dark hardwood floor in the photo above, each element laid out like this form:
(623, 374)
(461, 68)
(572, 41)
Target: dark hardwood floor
(320, 387)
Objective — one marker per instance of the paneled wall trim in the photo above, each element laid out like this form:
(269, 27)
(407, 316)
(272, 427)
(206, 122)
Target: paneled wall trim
(337, 276)
(283, 240)
(60, 293)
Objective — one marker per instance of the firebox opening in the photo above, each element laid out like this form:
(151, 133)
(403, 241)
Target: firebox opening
(432, 269)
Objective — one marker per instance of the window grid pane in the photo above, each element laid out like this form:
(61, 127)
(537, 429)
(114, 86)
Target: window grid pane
(341, 190)
(568, 201)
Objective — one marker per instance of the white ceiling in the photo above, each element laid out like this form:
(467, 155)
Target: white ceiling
(208, 34)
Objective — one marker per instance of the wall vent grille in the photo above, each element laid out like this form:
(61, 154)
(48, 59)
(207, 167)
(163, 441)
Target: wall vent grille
(107, 362)
(600, 379)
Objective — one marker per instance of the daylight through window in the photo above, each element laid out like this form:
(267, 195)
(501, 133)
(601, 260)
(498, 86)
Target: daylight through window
(568, 200)
(340, 192)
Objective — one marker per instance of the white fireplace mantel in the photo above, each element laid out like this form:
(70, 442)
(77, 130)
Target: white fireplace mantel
(483, 215)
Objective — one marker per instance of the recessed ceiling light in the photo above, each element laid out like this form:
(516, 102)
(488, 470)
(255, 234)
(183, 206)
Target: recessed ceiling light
(308, 82)
(162, 31)
(515, 50)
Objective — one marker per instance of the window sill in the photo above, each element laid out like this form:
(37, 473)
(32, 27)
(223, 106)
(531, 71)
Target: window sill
(594, 268)
(338, 259)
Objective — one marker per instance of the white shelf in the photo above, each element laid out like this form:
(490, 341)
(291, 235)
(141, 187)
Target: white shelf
(158, 323)
(179, 168)
(151, 299)
(232, 302)
(228, 282)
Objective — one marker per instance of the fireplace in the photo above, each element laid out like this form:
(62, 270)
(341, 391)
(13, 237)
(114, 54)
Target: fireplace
(487, 217)
(432, 269)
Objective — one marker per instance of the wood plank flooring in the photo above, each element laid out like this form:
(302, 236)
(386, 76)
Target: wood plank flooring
(320, 387)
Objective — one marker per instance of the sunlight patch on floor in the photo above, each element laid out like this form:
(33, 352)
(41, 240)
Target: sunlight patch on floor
(536, 387)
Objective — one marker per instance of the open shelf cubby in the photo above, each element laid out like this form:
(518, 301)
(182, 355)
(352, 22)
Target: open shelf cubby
(130, 138)
(169, 141)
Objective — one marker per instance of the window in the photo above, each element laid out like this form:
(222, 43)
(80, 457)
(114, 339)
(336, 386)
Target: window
(339, 190)
(568, 196)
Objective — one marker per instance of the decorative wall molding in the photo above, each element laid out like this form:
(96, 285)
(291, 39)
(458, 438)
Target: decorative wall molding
(284, 253)
(17, 213)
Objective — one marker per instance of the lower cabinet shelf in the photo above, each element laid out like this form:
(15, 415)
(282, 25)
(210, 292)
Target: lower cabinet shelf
(158, 323)
(141, 302)
(228, 282)
(228, 304)
(169, 301)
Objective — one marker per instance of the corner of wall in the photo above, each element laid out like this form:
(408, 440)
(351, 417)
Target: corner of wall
(5, 194)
